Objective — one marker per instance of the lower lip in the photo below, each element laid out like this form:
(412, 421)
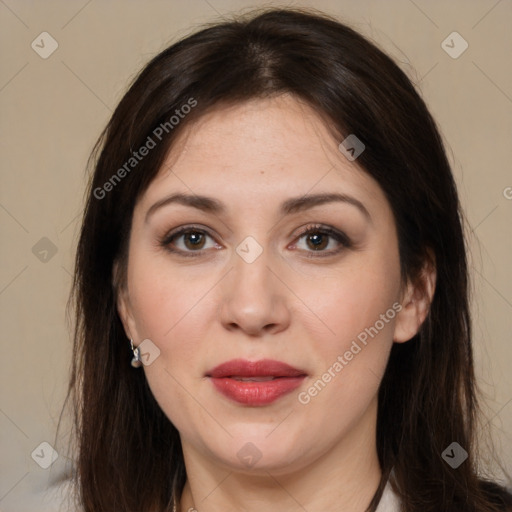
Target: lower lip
(256, 393)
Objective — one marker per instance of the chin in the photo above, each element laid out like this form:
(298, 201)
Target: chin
(254, 450)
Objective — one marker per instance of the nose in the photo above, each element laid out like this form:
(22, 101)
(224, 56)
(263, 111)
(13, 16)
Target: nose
(254, 299)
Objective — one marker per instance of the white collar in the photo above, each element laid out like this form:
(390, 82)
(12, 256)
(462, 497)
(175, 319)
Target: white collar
(389, 501)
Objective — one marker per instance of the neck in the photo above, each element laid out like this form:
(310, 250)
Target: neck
(343, 479)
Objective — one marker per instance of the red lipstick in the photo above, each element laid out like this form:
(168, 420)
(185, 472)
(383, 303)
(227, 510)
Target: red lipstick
(255, 383)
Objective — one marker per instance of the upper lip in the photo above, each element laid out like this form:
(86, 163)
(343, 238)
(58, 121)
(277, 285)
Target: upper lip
(261, 368)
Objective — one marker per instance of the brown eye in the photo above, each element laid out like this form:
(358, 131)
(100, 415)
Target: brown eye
(187, 241)
(317, 241)
(193, 239)
(318, 238)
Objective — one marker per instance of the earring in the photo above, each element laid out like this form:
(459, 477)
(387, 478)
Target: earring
(136, 361)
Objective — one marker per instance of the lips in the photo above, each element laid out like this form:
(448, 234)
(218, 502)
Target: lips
(255, 383)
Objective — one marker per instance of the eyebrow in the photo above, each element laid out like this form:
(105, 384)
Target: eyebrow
(291, 205)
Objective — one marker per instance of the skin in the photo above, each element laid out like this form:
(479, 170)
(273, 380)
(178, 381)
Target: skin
(204, 310)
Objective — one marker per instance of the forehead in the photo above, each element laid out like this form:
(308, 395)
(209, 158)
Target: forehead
(258, 151)
(270, 131)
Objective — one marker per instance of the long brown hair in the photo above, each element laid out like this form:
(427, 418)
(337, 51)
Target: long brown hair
(129, 454)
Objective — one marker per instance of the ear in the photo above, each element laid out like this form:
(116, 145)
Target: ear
(416, 300)
(124, 307)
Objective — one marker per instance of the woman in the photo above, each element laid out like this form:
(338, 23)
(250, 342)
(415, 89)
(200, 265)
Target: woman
(273, 233)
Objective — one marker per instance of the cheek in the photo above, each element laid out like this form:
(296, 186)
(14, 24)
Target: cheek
(351, 362)
(174, 309)
(165, 299)
(354, 298)
(156, 309)
(356, 305)
(169, 309)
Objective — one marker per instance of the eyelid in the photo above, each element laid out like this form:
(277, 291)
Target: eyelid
(183, 229)
(313, 228)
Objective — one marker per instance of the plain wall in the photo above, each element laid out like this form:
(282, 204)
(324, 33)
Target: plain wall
(54, 109)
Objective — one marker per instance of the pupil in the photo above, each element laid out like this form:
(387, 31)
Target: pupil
(194, 238)
(317, 241)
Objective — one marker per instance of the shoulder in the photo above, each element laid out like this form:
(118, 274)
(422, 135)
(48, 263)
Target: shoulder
(496, 494)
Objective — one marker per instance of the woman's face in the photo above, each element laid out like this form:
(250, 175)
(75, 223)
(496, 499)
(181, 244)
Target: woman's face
(245, 283)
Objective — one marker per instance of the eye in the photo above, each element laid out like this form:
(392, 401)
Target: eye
(187, 239)
(191, 241)
(318, 238)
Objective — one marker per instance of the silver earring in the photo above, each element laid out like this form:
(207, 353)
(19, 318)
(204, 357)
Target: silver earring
(136, 361)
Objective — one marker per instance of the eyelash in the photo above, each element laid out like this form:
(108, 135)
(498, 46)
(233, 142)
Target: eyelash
(340, 237)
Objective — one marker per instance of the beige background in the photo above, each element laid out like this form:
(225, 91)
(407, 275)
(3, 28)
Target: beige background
(53, 110)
